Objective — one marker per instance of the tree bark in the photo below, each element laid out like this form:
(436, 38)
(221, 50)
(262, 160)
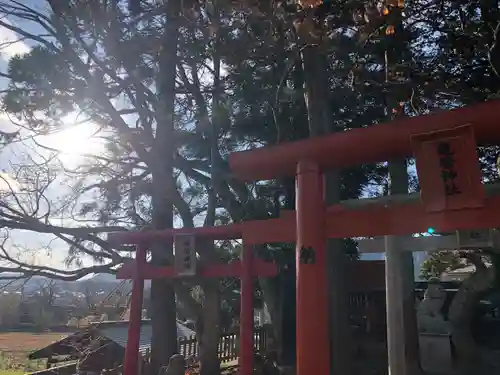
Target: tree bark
(209, 314)
(209, 348)
(273, 297)
(316, 94)
(164, 324)
(209, 358)
(395, 53)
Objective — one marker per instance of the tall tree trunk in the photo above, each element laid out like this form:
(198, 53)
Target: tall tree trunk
(164, 324)
(320, 122)
(209, 353)
(279, 293)
(273, 297)
(209, 348)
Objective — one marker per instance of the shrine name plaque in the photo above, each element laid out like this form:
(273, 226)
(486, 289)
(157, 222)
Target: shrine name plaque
(185, 255)
(448, 169)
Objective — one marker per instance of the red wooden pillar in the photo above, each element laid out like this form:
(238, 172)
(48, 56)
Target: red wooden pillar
(246, 312)
(313, 344)
(134, 327)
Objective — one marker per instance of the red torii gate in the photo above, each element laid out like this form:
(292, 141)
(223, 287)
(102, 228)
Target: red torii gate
(444, 145)
(140, 270)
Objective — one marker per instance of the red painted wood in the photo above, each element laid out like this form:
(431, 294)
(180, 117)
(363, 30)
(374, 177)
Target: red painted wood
(376, 143)
(233, 269)
(372, 220)
(225, 232)
(281, 226)
(364, 276)
(131, 360)
(401, 219)
(313, 342)
(469, 192)
(270, 230)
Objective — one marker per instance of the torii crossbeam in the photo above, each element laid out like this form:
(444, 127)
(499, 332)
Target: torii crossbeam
(444, 145)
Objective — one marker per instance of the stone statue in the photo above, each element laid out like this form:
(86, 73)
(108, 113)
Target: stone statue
(176, 366)
(429, 316)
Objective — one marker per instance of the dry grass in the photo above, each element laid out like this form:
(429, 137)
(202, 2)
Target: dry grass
(21, 343)
(12, 372)
(16, 346)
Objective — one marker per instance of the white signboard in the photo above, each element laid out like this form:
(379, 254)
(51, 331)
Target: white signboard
(185, 255)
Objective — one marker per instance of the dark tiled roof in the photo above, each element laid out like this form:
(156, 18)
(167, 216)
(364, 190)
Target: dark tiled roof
(117, 332)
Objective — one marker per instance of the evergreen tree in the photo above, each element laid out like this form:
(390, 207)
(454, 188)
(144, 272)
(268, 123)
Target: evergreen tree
(175, 88)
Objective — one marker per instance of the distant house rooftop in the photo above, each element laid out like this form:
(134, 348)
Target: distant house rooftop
(117, 331)
(114, 331)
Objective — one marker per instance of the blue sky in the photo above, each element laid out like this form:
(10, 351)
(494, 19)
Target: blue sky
(31, 247)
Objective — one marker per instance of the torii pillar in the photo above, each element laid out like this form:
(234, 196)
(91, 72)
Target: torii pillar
(312, 295)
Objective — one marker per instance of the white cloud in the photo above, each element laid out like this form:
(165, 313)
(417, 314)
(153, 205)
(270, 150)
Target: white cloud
(10, 45)
(38, 249)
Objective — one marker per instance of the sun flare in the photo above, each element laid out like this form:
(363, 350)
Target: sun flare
(74, 143)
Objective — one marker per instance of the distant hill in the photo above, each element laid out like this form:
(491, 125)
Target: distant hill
(95, 283)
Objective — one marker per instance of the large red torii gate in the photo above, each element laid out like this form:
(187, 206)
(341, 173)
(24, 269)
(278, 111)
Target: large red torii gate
(444, 145)
(381, 142)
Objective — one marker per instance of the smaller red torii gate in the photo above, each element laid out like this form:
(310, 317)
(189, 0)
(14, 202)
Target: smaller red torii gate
(452, 197)
(247, 269)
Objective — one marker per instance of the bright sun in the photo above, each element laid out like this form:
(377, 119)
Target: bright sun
(74, 142)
